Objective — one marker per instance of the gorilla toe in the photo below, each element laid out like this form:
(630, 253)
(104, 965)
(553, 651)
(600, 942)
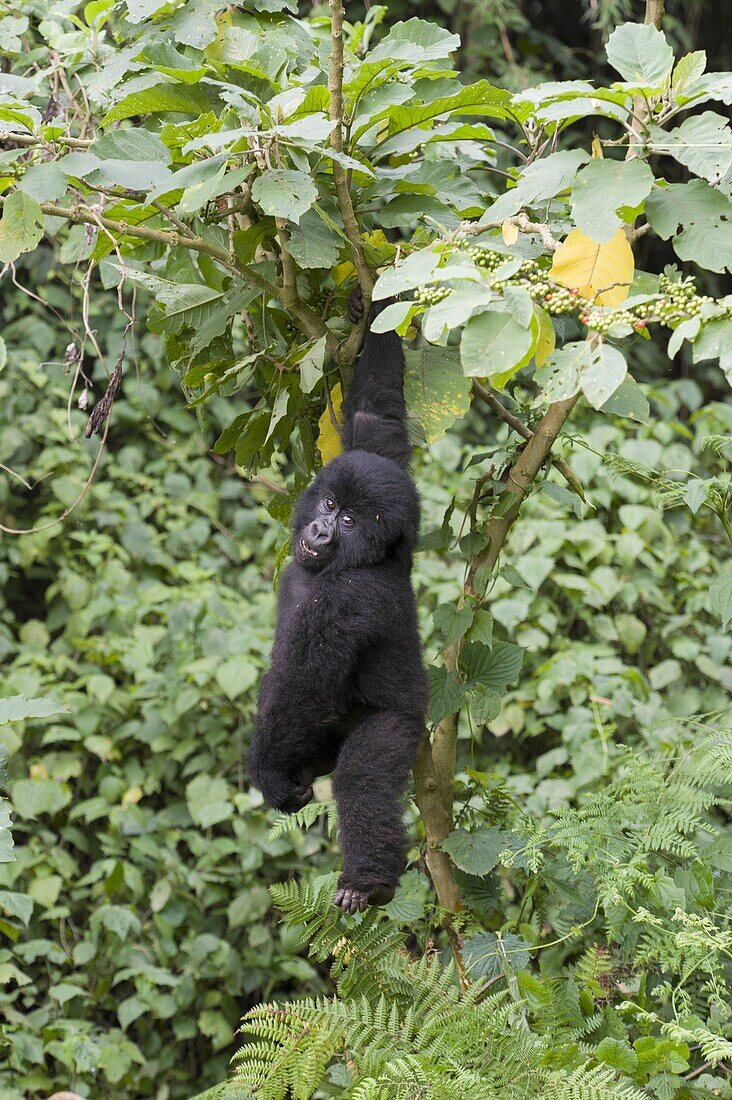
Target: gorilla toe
(355, 306)
(353, 899)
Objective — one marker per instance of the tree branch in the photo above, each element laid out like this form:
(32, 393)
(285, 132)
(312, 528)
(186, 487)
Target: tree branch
(308, 321)
(351, 345)
(29, 140)
(520, 477)
(523, 430)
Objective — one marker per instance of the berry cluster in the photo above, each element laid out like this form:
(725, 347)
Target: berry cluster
(601, 320)
(676, 302)
(431, 295)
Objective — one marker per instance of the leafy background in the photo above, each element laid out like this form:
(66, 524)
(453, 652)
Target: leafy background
(136, 925)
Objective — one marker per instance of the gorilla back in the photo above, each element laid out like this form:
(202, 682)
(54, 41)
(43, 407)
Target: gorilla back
(346, 691)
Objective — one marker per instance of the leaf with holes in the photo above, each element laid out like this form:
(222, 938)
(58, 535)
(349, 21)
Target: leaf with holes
(21, 226)
(284, 193)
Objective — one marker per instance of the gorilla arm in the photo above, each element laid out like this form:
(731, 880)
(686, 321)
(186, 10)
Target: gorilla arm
(375, 412)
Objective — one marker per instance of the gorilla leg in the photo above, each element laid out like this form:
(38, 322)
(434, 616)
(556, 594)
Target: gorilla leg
(369, 782)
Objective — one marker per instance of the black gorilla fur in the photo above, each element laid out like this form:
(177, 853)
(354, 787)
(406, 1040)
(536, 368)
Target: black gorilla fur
(346, 691)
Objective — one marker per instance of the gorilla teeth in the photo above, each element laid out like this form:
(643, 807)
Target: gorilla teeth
(306, 549)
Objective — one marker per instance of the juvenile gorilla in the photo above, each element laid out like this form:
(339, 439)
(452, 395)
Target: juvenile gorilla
(346, 691)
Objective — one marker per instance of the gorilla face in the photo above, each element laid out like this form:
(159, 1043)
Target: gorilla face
(317, 543)
(358, 510)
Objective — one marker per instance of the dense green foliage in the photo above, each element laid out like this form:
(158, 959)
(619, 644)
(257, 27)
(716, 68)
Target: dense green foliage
(137, 923)
(172, 161)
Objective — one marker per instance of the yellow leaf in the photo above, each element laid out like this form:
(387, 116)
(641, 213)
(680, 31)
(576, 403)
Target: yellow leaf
(509, 232)
(547, 338)
(603, 272)
(132, 796)
(329, 442)
(343, 271)
(597, 153)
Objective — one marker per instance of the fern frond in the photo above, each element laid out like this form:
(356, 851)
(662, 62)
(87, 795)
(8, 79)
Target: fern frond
(304, 818)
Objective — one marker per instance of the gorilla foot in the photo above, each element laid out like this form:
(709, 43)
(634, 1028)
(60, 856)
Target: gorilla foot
(354, 899)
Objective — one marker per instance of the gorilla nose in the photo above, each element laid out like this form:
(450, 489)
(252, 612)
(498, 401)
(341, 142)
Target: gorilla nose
(319, 533)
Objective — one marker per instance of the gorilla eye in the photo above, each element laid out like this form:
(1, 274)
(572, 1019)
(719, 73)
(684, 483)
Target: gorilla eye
(330, 504)
(347, 521)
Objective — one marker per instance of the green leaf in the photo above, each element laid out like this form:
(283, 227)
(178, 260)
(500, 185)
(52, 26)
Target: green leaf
(695, 495)
(617, 1053)
(18, 905)
(540, 181)
(482, 628)
(137, 10)
(435, 389)
(197, 195)
(704, 216)
(476, 852)
(3, 353)
(715, 342)
(33, 797)
(162, 99)
(494, 344)
(408, 904)
(454, 310)
(394, 318)
(312, 243)
(6, 837)
(485, 704)
(208, 800)
(11, 28)
(719, 599)
(44, 182)
(235, 676)
(416, 270)
(446, 693)
(641, 54)
(16, 708)
(416, 41)
(128, 144)
(601, 188)
(452, 622)
(687, 71)
(494, 667)
(481, 98)
(247, 241)
(311, 365)
(284, 193)
(194, 27)
(629, 401)
(565, 498)
(117, 919)
(561, 376)
(21, 226)
(487, 955)
(601, 378)
(703, 144)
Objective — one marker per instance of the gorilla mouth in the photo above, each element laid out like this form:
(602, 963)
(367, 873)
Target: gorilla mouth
(308, 550)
